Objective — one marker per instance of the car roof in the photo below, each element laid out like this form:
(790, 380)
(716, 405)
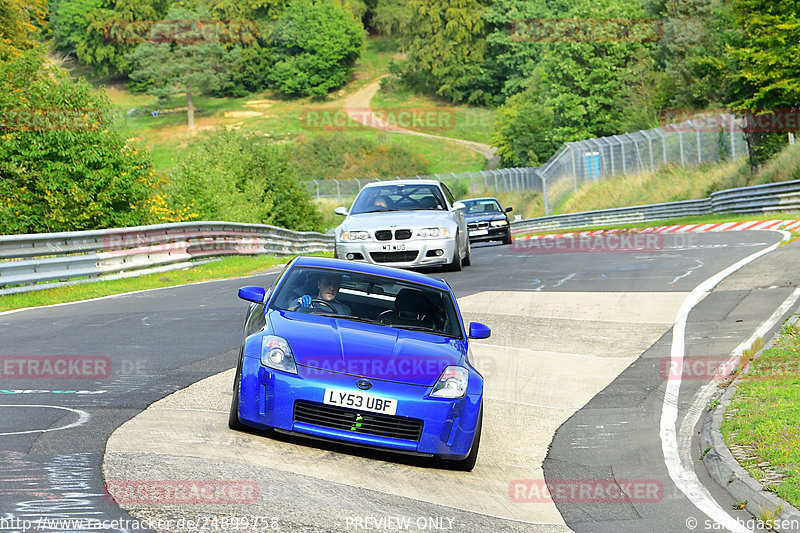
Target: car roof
(366, 268)
(481, 198)
(401, 182)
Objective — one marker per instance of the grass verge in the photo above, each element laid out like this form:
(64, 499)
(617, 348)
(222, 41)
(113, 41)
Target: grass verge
(764, 413)
(229, 267)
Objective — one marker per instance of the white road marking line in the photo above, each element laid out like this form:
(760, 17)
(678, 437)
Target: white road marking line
(706, 392)
(83, 417)
(683, 475)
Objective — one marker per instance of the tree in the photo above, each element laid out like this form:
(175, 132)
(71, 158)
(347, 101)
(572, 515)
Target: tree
(513, 51)
(102, 33)
(181, 58)
(445, 43)
(767, 73)
(314, 45)
(20, 24)
(242, 178)
(63, 165)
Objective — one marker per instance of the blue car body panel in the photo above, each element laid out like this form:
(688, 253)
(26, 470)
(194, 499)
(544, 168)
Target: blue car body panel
(335, 353)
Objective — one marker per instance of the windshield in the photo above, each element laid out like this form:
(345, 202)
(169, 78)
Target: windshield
(368, 298)
(404, 197)
(482, 206)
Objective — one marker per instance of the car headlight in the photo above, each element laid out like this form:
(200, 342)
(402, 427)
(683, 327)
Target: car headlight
(275, 353)
(432, 232)
(355, 235)
(452, 383)
(498, 223)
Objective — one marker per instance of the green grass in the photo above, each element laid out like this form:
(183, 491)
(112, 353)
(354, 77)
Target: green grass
(764, 414)
(439, 116)
(229, 267)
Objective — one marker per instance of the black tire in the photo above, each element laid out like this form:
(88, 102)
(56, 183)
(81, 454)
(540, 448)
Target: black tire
(507, 238)
(233, 416)
(468, 258)
(455, 264)
(468, 463)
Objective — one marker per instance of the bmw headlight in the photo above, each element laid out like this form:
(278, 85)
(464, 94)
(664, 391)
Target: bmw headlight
(432, 232)
(275, 353)
(498, 223)
(452, 383)
(355, 235)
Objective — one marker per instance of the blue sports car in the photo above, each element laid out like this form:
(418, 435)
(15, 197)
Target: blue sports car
(360, 354)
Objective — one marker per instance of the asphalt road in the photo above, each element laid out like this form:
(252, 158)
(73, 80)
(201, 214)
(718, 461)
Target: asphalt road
(53, 432)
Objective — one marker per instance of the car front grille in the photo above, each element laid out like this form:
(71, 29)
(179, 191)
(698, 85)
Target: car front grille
(394, 257)
(395, 427)
(402, 234)
(383, 235)
(477, 225)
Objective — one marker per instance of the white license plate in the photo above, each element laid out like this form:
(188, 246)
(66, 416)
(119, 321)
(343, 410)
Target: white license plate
(478, 232)
(394, 247)
(360, 401)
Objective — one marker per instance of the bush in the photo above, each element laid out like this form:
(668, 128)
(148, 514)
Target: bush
(324, 157)
(237, 177)
(63, 165)
(314, 45)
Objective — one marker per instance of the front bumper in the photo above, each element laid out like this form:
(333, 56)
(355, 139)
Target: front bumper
(491, 234)
(406, 253)
(268, 398)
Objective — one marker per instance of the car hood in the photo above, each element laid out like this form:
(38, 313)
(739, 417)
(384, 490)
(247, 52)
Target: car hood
(400, 219)
(485, 217)
(366, 350)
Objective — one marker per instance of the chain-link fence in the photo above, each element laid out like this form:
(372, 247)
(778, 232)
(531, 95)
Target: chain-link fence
(708, 140)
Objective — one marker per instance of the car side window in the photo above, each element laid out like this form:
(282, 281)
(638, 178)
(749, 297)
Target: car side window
(256, 320)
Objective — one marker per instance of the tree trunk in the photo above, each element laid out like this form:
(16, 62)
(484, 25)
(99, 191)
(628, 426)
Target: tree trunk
(190, 106)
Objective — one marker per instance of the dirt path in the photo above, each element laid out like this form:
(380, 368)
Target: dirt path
(357, 106)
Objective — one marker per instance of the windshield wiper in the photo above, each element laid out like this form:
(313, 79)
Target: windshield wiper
(426, 329)
(351, 317)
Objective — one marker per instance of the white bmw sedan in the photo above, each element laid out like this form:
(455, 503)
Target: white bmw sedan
(404, 223)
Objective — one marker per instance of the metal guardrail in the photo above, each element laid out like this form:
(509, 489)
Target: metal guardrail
(40, 261)
(769, 198)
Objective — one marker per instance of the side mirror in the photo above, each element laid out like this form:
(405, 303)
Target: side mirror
(341, 211)
(459, 206)
(252, 294)
(509, 209)
(479, 331)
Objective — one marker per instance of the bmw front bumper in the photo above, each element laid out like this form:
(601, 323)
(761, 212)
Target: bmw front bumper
(407, 253)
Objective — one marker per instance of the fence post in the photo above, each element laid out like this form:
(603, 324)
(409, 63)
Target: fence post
(733, 138)
(574, 171)
(544, 192)
(680, 141)
(699, 145)
(316, 184)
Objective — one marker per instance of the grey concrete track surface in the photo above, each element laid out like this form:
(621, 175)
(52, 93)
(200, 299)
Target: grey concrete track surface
(550, 353)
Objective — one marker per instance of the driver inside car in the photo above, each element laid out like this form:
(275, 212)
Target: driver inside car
(328, 286)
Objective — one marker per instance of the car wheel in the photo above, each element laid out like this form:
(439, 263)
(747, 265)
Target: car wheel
(468, 463)
(467, 258)
(455, 264)
(233, 416)
(507, 238)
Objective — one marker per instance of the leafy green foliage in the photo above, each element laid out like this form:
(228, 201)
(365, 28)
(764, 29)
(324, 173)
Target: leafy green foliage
(445, 42)
(241, 178)
(388, 17)
(20, 24)
(314, 45)
(63, 165)
(344, 157)
(101, 33)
